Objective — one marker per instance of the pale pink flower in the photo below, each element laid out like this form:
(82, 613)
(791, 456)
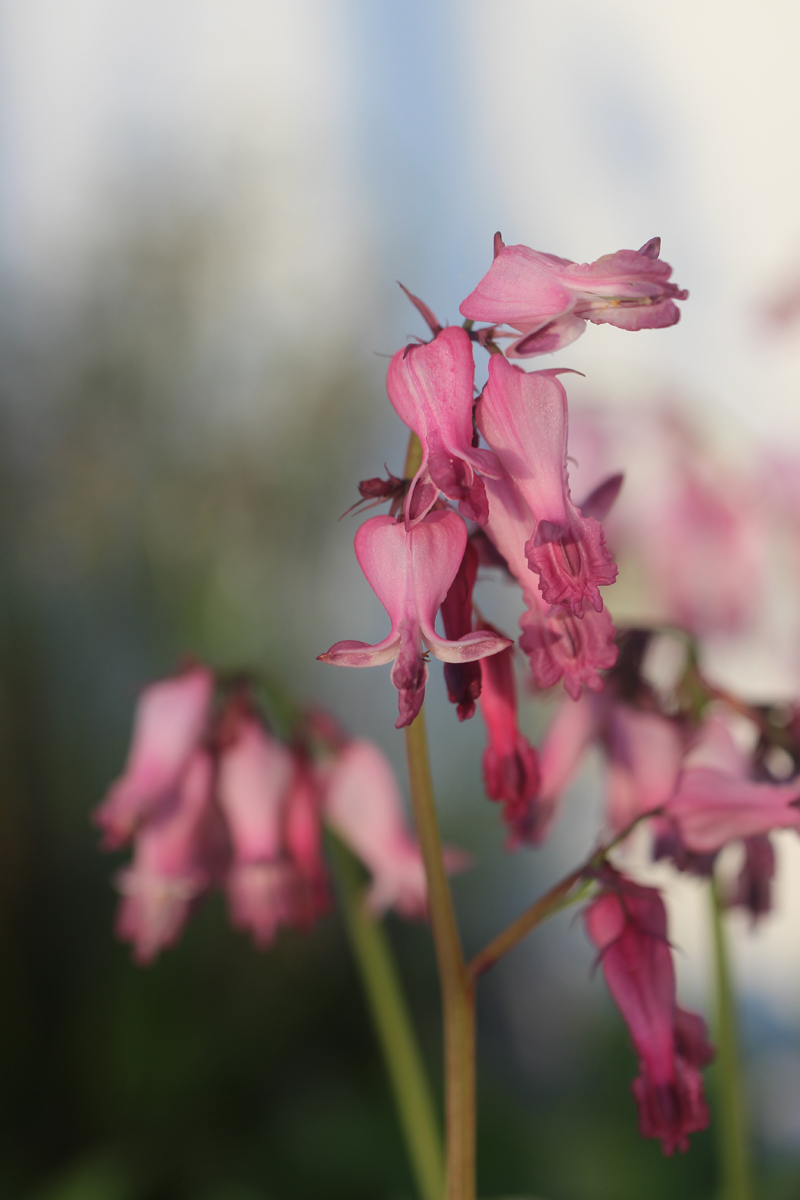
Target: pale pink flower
(362, 803)
(177, 854)
(524, 419)
(703, 551)
(716, 802)
(410, 572)
(644, 754)
(549, 299)
(259, 784)
(510, 763)
(431, 390)
(628, 924)
(171, 719)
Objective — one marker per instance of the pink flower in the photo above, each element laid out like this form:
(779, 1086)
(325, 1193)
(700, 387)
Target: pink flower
(559, 646)
(276, 877)
(363, 805)
(524, 419)
(510, 764)
(549, 299)
(410, 572)
(463, 679)
(628, 924)
(177, 854)
(703, 551)
(171, 719)
(644, 753)
(716, 802)
(431, 389)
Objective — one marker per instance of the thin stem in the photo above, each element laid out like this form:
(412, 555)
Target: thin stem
(393, 1027)
(561, 896)
(458, 999)
(569, 890)
(735, 1170)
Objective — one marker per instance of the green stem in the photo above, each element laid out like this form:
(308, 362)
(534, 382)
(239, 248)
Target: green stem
(393, 1027)
(734, 1155)
(568, 891)
(457, 987)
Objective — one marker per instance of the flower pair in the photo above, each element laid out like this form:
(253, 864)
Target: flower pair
(210, 796)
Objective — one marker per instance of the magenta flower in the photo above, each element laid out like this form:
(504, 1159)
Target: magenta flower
(171, 719)
(410, 572)
(177, 854)
(431, 389)
(628, 924)
(716, 801)
(363, 805)
(510, 763)
(549, 299)
(559, 646)
(463, 680)
(524, 419)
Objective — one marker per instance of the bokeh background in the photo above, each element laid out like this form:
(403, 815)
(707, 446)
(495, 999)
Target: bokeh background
(204, 207)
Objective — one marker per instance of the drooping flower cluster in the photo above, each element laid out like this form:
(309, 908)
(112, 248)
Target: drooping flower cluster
(675, 757)
(210, 796)
(515, 490)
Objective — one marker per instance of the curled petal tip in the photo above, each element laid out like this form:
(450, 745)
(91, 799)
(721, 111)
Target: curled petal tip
(651, 249)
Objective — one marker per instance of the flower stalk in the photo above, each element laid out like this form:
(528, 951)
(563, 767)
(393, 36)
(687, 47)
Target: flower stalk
(393, 1027)
(735, 1169)
(457, 987)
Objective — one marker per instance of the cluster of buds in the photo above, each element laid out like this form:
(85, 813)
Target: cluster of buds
(209, 796)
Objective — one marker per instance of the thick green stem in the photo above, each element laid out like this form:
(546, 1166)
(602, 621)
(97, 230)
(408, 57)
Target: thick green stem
(393, 1027)
(734, 1157)
(458, 999)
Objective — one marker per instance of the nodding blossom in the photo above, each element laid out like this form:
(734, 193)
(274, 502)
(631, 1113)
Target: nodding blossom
(268, 799)
(246, 814)
(410, 571)
(363, 805)
(171, 717)
(644, 754)
(628, 925)
(558, 644)
(549, 299)
(177, 854)
(431, 387)
(717, 802)
(524, 419)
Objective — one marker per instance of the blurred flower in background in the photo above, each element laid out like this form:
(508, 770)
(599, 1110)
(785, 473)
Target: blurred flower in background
(203, 208)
